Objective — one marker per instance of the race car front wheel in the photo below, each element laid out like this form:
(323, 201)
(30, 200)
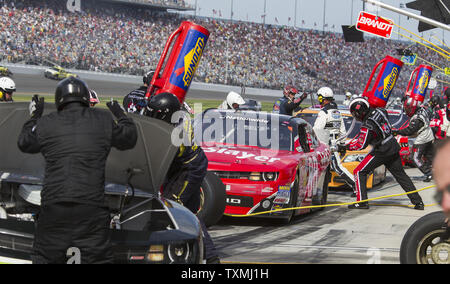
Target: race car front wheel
(213, 199)
(426, 241)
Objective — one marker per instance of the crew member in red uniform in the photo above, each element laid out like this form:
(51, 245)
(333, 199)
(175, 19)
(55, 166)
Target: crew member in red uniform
(376, 131)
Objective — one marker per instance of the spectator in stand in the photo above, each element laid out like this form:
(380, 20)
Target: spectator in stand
(126, 39)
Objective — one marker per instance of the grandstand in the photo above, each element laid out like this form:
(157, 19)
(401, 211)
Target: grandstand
(125, 38)
(163, 5)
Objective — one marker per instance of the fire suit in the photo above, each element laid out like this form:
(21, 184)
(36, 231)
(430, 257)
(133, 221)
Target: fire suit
(185, 178)
(419, 125)
(329, 126)
(376, 131)
(437, 123)
(135, 101)
(287, 106)
(75, 143)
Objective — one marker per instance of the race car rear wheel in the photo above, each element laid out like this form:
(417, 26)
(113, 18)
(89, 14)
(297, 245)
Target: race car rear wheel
(213, 199)
(293, 201)
(426, 241)
(324, 196)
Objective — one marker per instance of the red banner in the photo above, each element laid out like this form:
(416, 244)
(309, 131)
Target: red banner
(375, 25)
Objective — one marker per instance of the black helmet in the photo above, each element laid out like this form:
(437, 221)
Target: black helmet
(147, 78)
(359, 108)
(71, 90)
(162, 106)
(435, 101)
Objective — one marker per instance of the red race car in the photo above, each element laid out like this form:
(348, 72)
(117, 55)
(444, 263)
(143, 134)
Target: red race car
(266, 161)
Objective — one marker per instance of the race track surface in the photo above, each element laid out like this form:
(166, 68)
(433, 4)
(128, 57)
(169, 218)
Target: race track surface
(335, 235)
(38, 84)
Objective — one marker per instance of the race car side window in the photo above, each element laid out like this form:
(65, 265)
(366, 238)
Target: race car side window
(303, 138)
(312, 138)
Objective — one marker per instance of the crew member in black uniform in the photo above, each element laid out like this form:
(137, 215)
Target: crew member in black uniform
(188, 168)
(376, 131)
(135, 101)
(75, 142)
(419, 126)
(289, 102)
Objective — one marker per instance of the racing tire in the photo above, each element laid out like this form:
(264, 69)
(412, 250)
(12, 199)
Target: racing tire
(324, 197)
(423, 242)
(293, 203)
(213, 199)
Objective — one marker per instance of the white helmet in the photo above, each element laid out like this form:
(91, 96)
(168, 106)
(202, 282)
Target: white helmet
(325, 92)
(7, 85)
(355, 96)
(348, 95)
(234, 98)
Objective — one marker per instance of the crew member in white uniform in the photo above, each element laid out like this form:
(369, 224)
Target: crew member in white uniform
(329, 126)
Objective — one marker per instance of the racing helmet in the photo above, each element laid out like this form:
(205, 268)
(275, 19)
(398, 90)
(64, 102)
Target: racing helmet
(7, 85)
(147, 78)
(163, 106)
(359, 108)
(410, 106)
(348, 95)
(435, 101)
(325, 93)
(71, 90)
(290, 90)
(234, 99)
(93, 98)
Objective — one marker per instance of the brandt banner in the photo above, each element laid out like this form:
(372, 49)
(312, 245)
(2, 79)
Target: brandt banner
(374, 25)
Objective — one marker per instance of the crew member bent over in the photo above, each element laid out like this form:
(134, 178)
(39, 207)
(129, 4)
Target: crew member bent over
(376, 131)
(189, 167)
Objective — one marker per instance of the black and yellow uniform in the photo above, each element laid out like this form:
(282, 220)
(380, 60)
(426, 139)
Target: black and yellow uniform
(187, 171)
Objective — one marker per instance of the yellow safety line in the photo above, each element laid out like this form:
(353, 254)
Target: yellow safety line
(442, 81)
(434, 65)
(421, 38)
(446, 56)
(332, 205)
(443, 43)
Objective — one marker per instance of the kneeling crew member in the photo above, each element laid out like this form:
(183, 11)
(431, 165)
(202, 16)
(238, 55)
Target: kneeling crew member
(75, 142)
(376, 131)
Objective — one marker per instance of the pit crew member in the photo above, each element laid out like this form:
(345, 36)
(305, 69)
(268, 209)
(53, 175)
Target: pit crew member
(75, 142)
(233, 101)
(289, 102)
(419, 125)
(376, 131)
(7, 88)
(329, 126)
(93, 100)
(189, 166)
(135, 101)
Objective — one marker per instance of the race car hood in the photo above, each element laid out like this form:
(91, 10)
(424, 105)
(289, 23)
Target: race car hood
(145, 166)
(242, 158)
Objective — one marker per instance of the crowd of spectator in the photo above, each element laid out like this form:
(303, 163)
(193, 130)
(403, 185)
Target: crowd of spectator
(125, 39)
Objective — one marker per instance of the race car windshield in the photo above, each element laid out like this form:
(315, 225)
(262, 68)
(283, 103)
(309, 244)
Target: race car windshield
(246, 129)
(348, 120)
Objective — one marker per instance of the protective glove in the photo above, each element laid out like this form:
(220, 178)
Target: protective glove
(342, 148)
(36, 107)
(298, 99)
(116, 109)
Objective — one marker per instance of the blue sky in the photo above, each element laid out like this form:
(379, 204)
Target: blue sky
(308, 13)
